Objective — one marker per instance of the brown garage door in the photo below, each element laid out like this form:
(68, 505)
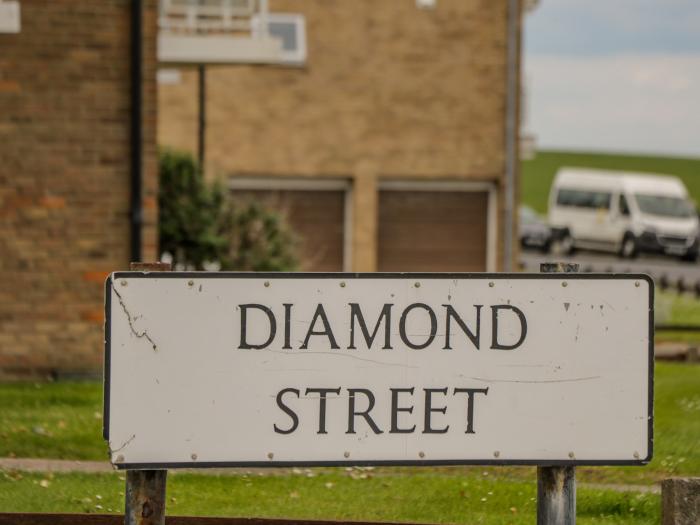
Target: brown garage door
(432, 231)
(316, 217)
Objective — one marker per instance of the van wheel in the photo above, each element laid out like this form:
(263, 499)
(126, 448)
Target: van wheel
(628, 248)
(546, 247)
(691, 256)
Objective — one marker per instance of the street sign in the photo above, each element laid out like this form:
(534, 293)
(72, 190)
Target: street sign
(248, 369)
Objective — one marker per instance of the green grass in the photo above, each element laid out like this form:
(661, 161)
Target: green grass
(538, 173)
(676, 309)
(358, 495)
(52, 420)
(58, 420)
(676, 336)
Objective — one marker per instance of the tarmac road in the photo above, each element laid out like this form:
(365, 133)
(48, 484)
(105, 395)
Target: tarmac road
(665, 271)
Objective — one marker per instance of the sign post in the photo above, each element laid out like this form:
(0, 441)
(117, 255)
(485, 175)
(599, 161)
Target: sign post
(556, 486)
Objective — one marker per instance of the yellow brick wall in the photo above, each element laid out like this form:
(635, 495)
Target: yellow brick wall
(64, 177)
(388, 91)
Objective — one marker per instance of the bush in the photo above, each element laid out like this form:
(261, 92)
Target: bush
(259, 240)
(190, 213)
(198, 225)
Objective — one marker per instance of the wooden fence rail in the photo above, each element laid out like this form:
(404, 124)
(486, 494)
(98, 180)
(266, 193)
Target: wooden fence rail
(116, 519)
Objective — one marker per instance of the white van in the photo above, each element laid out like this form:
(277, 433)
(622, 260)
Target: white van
(623, 212)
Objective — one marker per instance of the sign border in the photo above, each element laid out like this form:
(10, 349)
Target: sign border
(376, 275)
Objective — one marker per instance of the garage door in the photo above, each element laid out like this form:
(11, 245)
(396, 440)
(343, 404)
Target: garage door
(315, 216)
(432, 231)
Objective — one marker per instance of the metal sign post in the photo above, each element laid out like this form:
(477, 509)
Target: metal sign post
(145, 489)
(145, 497)
(556, 486)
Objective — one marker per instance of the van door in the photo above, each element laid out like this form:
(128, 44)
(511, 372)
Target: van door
(622, 219)
(592, 225)
(602, 229)
(584, 213)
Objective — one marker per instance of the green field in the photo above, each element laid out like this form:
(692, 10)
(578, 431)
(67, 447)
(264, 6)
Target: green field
(62, 420)
(352, 494)
(51, 420)
(674, 308)
(538, 173)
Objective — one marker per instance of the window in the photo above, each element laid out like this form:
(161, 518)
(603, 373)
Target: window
(584, 199)
(665, 206)
(316, 210)
(439, 226)
(290, 30)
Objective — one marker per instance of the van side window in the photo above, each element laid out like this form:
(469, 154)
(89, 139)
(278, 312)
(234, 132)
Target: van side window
(584, 199)
(624, 209)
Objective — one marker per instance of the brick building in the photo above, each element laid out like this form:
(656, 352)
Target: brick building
(66, 217)
(386, 145)
(383, 138)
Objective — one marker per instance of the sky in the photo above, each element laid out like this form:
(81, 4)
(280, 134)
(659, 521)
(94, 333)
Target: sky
(614, 75)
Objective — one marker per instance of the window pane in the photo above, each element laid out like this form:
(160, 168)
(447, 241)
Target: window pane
(584, 199)
(665, 206)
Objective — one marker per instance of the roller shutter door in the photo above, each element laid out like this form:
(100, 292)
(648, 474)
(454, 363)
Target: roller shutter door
(315, 216)
(432, 231)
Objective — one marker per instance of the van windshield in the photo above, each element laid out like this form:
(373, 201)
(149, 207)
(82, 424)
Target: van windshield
(664, 206)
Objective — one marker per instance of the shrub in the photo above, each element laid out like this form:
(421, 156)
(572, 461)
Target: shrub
(199, 226)
(190, 212)
(259, 240)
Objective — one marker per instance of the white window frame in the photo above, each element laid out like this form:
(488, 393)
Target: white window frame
(308, 184)
(10, 16)
(296, 57)
(463, 186)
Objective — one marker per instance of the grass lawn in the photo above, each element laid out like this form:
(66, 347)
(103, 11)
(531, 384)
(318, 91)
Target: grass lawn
(673, 308)
(61, 420)
(538, 173)
(52, 420)
(357, 495)
(676, 309)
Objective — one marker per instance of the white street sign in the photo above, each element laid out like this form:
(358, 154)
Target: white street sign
(215, 369)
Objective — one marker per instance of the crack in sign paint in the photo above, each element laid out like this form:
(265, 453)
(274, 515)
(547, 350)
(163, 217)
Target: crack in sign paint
(130, 319)
(383, 363)
(113, 450)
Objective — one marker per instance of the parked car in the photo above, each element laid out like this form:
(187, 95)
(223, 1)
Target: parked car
(627, 213)
(534, 231)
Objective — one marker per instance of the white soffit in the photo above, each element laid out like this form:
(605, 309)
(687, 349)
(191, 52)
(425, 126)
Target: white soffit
(10, 18)
(217, 49)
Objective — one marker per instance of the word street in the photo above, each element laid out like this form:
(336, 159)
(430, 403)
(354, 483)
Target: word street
(434, 402)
